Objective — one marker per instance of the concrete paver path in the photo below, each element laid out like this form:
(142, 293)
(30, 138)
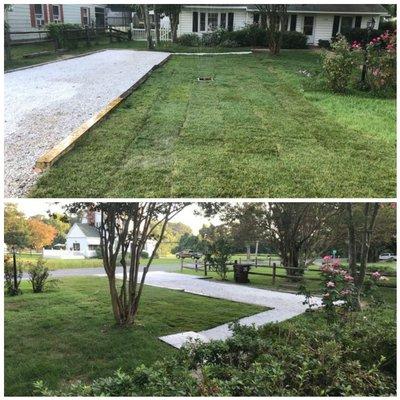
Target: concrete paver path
(284, 305)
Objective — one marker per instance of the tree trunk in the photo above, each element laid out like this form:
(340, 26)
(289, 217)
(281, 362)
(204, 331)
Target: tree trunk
(157, 24)
(352, 241)
(248, 252)
(174, 20)
(147, 25)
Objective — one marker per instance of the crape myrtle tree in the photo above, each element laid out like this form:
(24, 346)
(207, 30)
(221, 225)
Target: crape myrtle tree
(274, 18)
(144, 10)
(361, 233)
(124, 229)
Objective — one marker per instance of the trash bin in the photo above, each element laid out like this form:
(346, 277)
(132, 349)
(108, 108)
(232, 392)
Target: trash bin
(241, 272)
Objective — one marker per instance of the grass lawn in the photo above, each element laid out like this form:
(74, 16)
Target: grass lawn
(19, 61)
(68, 333)
(53, 263)
(260, 129)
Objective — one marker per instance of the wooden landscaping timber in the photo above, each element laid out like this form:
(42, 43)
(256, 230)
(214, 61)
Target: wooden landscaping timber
(52, 155)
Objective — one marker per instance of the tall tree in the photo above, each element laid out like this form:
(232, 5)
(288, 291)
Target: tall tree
(157, 23)
(62, 226)
(124, 230)
(172, 11)
(365, 232)
(147, 25)
(16, 229)
(275, 18)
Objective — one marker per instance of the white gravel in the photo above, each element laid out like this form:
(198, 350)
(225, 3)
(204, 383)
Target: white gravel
(284, 305)
(44, 104)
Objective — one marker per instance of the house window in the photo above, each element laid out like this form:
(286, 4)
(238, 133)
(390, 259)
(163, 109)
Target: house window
(357, 22)
(346, 25)
(212, 21)
(256, 18)
(293, 22)
(336, 23)
(76, 246)
(85, 16)
(230, 22)
(39, 15)
(308, 26)
(195, 22)
(99, 16)
(222, 23)
(93, 247)
(56, 13)
(202, 22)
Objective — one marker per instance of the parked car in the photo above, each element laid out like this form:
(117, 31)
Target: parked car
(189, 254)
(387, 257)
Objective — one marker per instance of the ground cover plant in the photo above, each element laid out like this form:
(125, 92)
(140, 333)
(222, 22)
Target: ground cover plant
(263, 128)
(68, 334)
(354, 356)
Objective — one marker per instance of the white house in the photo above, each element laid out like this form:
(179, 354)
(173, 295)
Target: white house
(83, 238)
(317, 21)
(34, 17)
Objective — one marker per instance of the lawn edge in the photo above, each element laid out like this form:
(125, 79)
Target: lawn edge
(63, 147)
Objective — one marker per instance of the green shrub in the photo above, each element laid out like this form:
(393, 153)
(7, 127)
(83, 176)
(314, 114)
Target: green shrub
(57, 32)
(189, 39)
(229, 43)
(294, 40)
(324, 44)
(361, 35)
(301, 357)
(144, 255)
(213, 38)
(338, 66)
(38, 275)
(9, 276)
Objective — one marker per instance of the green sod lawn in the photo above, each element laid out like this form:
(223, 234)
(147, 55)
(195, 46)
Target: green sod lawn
(68, 334)
(260, 129)
(54, 264)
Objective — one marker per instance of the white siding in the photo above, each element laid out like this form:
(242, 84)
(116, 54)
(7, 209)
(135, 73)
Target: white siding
(323, 25)
(19, 18)
(240, 18)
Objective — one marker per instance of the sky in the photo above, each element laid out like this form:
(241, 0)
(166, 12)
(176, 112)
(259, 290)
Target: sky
(32, 207)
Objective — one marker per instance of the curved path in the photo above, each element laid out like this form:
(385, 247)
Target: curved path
(284, 305)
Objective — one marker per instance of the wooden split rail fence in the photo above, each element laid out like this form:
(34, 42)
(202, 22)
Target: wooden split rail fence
(276, 270)
(68, 38)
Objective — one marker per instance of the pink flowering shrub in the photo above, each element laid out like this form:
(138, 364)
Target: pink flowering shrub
(381, 53)
(338, 287)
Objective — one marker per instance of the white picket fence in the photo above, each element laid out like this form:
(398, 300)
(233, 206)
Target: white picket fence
(140, 34)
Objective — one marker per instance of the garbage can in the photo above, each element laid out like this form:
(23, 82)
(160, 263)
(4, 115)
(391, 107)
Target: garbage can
(241, 272)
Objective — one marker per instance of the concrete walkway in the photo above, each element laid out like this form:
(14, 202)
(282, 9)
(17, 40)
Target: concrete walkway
(213, 54)
(284, 305)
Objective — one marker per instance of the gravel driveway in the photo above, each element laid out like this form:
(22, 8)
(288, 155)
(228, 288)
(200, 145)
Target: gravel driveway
(284, 305)
(44, 104)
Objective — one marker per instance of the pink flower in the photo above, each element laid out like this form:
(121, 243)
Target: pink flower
(345, 292)
(330, 284)
(348, 278)
(376, 276)
(375, 72)
(327, 258)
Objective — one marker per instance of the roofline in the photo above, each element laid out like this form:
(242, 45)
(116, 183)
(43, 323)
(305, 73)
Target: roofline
(246, 8)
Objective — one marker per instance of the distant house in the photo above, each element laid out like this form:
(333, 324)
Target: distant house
(316, 21)
(83, 238)
(34, 17)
